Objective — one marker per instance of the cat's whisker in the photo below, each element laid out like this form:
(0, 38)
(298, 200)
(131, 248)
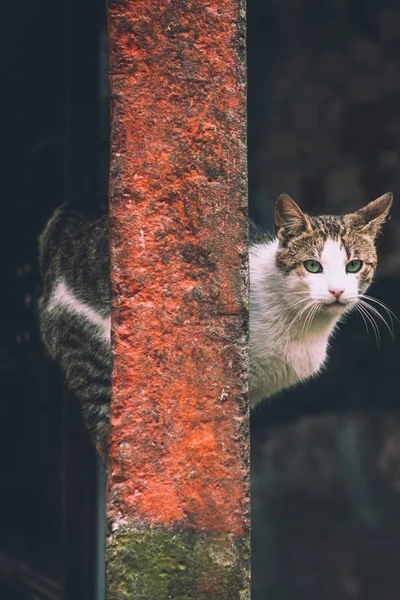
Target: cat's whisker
(306, 320)
(373, 315)
(374, 311)
(296, 317)
(391, 314)
(309, 318)
(371, 320)
(372, 323)
(302, 310)
(314, 314)
(363, 318)
(390, 327)
(298, 302)
(299, 314)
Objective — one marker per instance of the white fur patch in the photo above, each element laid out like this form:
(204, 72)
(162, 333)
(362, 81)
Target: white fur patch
(63, 297)
(286, 347)
(333, 256)
(334, 276)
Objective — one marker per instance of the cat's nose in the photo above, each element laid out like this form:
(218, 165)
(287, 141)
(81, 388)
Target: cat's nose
(337, 292)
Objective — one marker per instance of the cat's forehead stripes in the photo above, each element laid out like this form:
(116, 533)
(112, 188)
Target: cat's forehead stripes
(321, 229)
(328, 227)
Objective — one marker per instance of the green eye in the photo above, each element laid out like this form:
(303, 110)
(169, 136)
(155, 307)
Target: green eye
(313, 266)
(354, 266)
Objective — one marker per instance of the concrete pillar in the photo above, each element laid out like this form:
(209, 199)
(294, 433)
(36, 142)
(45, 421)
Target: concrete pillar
(178, 491)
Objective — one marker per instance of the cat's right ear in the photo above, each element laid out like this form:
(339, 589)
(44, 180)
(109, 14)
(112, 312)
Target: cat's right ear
(290, 221)
(371, 217)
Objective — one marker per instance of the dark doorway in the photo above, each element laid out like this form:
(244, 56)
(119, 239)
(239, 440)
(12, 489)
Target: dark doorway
(55, 147)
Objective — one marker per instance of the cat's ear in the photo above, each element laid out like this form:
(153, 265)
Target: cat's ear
(290, 221)
(371, 217)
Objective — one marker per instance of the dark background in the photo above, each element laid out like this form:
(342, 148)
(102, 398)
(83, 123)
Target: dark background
(324, 126)
(54, 111)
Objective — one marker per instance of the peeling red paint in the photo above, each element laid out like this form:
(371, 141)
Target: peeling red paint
(178, 238)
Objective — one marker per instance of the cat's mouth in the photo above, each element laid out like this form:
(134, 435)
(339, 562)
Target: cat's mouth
(336, 304)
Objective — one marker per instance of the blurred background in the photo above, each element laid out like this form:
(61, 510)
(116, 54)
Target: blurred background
(54, 131)
(324, 126)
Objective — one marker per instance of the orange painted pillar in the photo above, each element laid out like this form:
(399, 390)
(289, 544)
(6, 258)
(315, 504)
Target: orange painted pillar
(178, 491)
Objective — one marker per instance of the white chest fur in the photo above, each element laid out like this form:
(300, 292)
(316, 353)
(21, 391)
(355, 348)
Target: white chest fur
(283, 350)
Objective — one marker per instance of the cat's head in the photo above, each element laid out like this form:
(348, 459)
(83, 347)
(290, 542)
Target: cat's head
(329, 260)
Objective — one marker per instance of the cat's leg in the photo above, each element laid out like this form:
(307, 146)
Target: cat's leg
(85, 360)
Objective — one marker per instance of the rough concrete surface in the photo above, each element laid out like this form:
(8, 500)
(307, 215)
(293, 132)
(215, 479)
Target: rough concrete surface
(178, 195)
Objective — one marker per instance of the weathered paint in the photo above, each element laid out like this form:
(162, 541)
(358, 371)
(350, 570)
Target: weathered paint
(179, 254)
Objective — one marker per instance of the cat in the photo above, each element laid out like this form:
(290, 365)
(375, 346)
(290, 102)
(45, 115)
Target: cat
(75, 310)
(301, 283)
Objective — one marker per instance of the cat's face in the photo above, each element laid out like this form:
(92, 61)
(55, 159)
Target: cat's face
(328, 261)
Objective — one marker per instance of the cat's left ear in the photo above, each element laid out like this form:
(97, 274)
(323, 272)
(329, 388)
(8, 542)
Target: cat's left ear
(290, 221)
(370, 218)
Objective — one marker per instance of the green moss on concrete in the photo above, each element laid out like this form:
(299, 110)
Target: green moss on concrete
(160, 564)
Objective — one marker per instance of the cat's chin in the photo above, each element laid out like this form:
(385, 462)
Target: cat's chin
(335, 308)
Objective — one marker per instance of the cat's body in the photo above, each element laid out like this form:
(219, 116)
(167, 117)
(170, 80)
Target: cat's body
(300, 286)
(75, 310)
